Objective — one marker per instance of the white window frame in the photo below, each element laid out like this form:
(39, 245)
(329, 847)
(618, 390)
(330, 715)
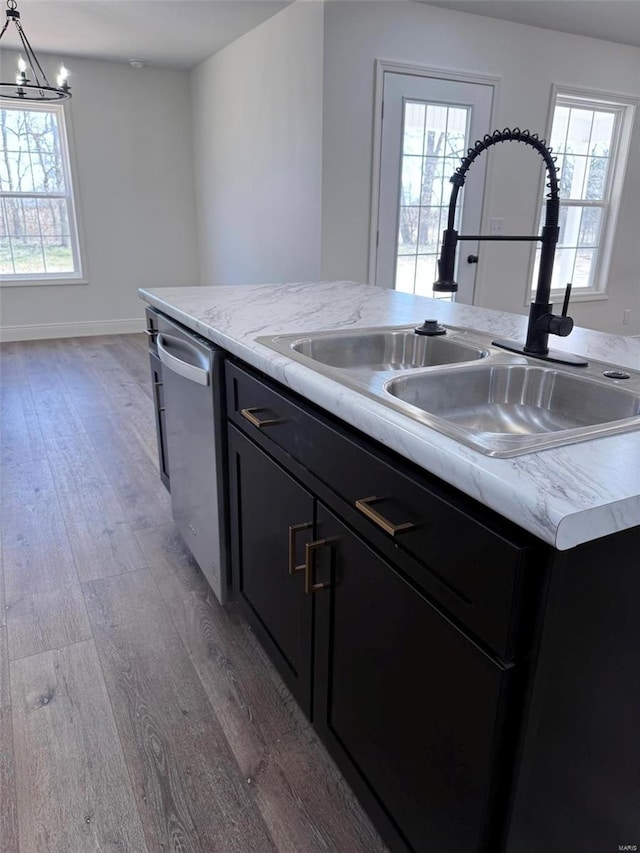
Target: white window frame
(78, 275)
(624, 108)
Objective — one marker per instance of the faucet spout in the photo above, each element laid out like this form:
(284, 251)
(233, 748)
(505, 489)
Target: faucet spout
(542, 322)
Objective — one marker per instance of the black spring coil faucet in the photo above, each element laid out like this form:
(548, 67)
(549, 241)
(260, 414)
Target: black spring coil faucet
(542, 322)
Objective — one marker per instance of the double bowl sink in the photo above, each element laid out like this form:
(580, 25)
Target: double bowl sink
(499, 403)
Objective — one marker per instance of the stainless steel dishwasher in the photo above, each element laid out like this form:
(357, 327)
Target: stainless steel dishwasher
(194, 402)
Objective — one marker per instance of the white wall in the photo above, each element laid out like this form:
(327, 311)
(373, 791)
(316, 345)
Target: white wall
(528, 60)
(132, 141)
(258, 152)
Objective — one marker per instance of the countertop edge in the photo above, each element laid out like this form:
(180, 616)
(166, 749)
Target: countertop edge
(562, 532)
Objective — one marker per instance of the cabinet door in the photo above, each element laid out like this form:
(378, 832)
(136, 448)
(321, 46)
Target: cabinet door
(265, 503)
(407, 705)
(161, 429)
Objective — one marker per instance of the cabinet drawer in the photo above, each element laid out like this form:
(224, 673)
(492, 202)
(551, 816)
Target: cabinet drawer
(469, 558)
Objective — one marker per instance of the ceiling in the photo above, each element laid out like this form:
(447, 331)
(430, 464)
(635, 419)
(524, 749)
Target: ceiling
(613, 20)
(169, 33)
(182, 33)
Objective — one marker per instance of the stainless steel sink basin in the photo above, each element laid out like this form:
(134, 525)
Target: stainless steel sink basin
(389, 350)
(512, 407)
(459, 384)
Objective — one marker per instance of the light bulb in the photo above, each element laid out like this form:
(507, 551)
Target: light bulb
(21, 77)
(62, 77)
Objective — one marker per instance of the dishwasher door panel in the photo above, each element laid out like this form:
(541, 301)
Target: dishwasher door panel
(193, 375)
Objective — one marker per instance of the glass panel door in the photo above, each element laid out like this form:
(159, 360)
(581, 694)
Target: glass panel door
(428, 125)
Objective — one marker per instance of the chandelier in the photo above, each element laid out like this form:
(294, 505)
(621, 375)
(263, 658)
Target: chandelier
(36, 88)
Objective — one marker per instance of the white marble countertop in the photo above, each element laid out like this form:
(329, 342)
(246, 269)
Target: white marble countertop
(566, 495)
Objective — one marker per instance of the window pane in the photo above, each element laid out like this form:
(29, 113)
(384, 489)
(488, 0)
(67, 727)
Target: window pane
(408, 230)
(565, 175)
(572, 177)
(6, 258)
(579, 132)
(23, 217)
(435, 130)
(570, 226)
(456, 132)
(16, 226)
(449, 166)
(579, 226)
(602, 134)
(411, 179)
(53, 217)
(414, 116)
(429, 229)
(4, 226)
(563, 268)
(47, 173)
(590, 226)
(406, 273)
(58, 256)
(27, 255)
(596, 178)
(584, 266)
(559, 129)
(440, 189)
(16, 169)
(426, 274)
(432, 181)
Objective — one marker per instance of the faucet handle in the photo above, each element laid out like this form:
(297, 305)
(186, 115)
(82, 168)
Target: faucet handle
(562, 325)
(567, 297)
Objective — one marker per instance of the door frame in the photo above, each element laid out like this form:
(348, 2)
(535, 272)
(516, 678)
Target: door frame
(454, 75)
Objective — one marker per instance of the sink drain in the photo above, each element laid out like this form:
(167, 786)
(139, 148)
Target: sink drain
(616, 374)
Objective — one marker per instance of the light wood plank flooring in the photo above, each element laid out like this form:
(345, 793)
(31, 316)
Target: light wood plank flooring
(136, 714)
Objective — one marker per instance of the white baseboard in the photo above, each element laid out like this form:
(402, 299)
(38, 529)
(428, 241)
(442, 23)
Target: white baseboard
(71, 330)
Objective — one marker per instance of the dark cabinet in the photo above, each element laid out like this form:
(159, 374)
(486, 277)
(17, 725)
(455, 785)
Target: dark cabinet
(409, 704)
(406, 653)
(272, 518)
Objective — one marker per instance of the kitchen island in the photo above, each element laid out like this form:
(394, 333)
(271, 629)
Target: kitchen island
(558, 705)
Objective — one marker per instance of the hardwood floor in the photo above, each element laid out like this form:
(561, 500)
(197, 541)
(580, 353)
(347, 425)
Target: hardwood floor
(136, 714)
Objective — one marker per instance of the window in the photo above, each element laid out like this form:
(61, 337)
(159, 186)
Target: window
(38, 234)
(590, 138)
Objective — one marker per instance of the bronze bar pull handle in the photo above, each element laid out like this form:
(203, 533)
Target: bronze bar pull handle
(309, 565)
(250, 415)
(364, 505)
(293, 530)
